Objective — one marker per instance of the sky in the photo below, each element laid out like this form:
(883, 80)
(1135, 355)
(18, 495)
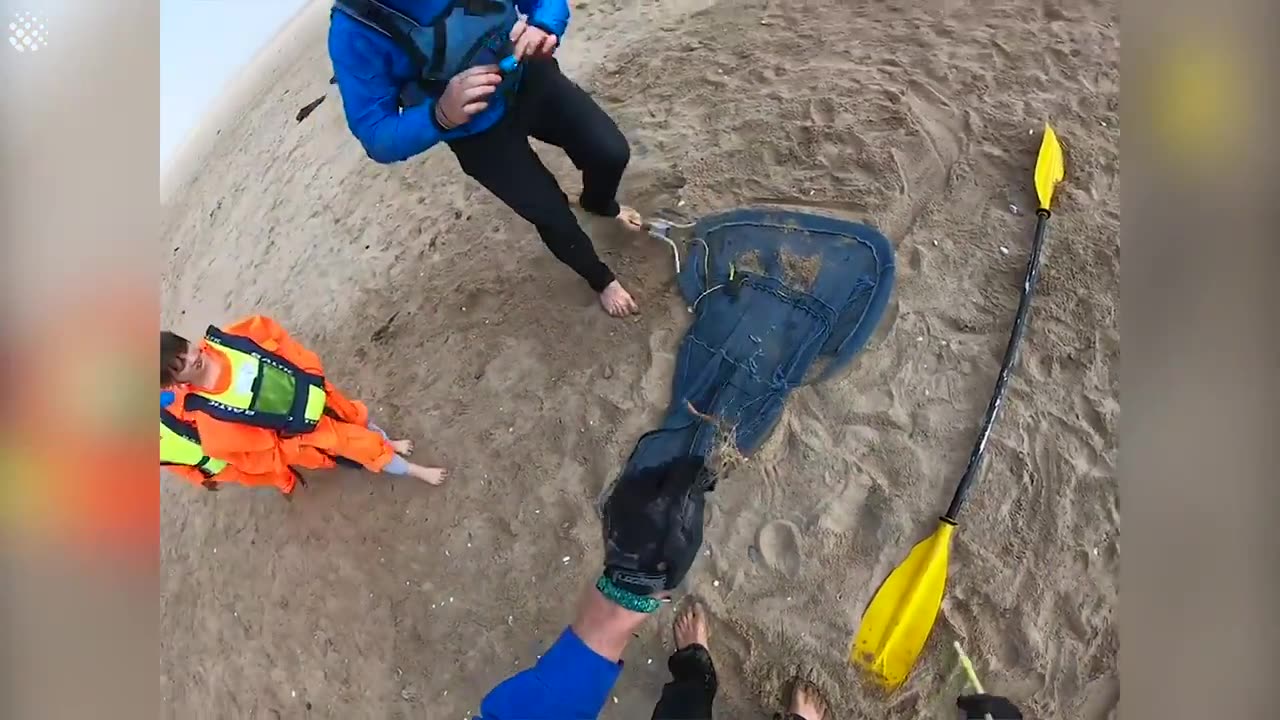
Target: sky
(203, 44)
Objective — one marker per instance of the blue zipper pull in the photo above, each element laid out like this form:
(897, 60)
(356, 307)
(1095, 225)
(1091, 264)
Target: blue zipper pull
(508, 64)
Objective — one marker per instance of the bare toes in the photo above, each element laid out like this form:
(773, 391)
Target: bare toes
(807, 701)
(690, 627)
(630, 218)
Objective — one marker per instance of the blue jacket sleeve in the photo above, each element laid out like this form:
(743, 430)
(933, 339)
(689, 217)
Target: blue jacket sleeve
(549, 15)
(570, 682)
(370, 96)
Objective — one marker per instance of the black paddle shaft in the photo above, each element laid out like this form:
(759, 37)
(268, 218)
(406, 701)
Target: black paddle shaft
(1006, 369)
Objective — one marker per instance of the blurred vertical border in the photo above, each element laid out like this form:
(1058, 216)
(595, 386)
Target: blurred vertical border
(79, 502)
(1201, 360)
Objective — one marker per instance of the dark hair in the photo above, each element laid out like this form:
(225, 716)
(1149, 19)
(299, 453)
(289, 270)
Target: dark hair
(172, 348)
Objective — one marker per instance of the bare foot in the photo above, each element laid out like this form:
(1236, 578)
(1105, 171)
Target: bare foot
(618, 302)
(807, 701)
(429, 475)
(630, 218)
(627, 216)
(690, 627)
(402, 447)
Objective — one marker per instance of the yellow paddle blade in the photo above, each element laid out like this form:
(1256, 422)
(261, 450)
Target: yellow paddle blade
(899, 618)
(1049, 167)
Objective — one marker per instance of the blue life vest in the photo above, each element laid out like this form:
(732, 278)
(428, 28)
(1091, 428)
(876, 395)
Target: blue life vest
(464, 34)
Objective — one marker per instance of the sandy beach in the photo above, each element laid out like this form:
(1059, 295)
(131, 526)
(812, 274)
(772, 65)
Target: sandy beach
(368, 597)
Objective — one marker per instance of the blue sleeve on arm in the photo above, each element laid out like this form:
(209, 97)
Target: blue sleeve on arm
(370, 97)
(570, 682)
(549, 15)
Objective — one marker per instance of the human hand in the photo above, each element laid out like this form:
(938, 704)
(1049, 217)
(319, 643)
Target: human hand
(653, 526)
(466, 94)
(209, 484)
(978, 707)
(532, 42)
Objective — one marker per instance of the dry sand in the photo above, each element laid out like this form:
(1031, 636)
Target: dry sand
(377, 598)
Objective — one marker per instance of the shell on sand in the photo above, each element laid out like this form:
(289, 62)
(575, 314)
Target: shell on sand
(911, 115)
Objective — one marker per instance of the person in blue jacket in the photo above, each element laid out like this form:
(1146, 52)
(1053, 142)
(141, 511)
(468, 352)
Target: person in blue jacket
(573, 679)
(652, 533)
(481, 78)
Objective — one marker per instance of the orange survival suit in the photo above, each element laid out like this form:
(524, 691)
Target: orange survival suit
(201, 468)
(260, 366)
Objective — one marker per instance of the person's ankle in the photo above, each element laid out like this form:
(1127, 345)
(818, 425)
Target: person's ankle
(604, 626)
(612, 210)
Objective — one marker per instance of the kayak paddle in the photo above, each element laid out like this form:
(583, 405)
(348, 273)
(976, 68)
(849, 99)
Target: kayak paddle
(900, 616)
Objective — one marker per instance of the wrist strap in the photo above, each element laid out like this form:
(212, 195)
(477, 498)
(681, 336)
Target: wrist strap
(626, 598)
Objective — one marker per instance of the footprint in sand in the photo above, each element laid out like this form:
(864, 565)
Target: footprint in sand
(655, 385)
(779, 545)
(941, 125)
(822, 111)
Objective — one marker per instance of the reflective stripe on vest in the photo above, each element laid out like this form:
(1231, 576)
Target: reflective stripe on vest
(464, 34)
(265, 390)
(180, 445)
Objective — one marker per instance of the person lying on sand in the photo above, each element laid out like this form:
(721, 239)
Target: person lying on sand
(258, 400)
(402, 96)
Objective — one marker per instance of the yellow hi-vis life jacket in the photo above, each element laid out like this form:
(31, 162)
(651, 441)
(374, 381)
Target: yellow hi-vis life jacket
(265, 391)
(180, 445)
